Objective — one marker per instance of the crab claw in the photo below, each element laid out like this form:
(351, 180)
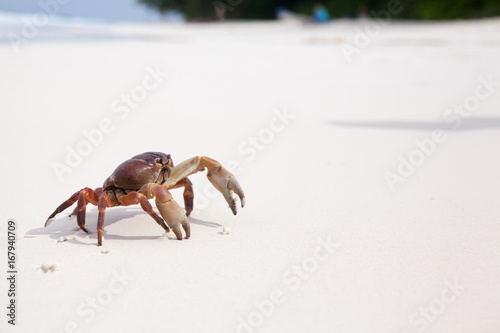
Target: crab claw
(227, 184)
(171, 212)
(223, 180)
(234, 186)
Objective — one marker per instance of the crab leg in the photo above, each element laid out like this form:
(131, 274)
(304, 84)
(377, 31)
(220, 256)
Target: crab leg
(62, 207)
(97, 191)
(170, 210)
(80, 215)
(188, 194)
(87, 195)
(221, 179)
(134, 198)
(103, 203)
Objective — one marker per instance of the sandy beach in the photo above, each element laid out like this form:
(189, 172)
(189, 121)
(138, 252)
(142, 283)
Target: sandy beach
(368, 153)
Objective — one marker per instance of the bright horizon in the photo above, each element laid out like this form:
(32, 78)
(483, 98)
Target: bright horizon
(115, 10)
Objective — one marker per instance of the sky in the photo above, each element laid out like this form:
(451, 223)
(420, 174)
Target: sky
(121, 10)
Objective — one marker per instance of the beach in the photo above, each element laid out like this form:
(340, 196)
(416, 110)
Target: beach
(367, 151)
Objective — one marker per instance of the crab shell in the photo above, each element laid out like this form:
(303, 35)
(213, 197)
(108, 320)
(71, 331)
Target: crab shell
(142, 169)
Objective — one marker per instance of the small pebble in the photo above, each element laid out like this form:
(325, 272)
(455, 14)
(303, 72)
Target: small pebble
(105, 251)
(45, 268)
(226, 230)
(62, 239)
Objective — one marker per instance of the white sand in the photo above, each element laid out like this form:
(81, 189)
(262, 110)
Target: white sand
(320, 177)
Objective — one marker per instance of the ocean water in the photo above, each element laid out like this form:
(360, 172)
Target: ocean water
(18, 28)
(110, 10)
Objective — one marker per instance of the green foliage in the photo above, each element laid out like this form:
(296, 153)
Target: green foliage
(435, 10)
(265, 9)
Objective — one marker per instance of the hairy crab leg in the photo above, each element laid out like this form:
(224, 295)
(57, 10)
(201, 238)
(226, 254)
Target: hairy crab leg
(221, 179)
(138, 198)
(170, 210)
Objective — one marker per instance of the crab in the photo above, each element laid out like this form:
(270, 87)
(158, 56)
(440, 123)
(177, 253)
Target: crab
(152, 175)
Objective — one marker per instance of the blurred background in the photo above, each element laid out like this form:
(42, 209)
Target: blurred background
(135, 10)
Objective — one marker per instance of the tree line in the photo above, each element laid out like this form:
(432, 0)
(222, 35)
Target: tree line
(266, 9)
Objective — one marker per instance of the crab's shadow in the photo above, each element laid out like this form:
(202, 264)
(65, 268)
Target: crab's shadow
(67, 227)
(466, 124)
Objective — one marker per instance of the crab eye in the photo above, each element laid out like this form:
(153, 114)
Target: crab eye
(159, 161)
